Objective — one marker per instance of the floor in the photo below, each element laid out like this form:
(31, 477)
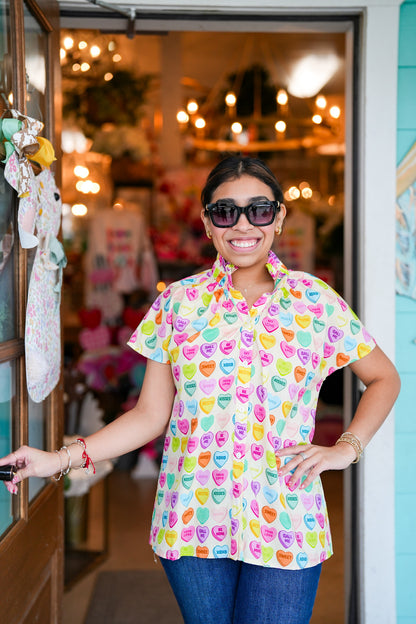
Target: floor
(130, 507)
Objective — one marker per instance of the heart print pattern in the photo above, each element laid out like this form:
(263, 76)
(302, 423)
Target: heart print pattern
(247, 383)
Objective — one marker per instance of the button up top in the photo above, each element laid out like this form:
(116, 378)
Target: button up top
(247, 384)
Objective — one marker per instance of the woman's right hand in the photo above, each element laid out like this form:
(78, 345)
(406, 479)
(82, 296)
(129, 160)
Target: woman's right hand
(31, 462)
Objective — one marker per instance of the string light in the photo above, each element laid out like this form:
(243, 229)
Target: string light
(108, 76)
(85, 67)
(280, 125)
(82, 45)
(317, 119)
(76, 67)
(236, 127)
(335, 112)
(68, 43)
(282, 97)
(200, 123)
(116, 58)
(81, 172)
(79, 210)
(95, 51)
(182, 117)
(294, 192)
(230, 99)
(307, 192)
(192, 106)
(321, 102)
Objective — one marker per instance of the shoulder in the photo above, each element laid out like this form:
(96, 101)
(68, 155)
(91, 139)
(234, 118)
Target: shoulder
(303, 285)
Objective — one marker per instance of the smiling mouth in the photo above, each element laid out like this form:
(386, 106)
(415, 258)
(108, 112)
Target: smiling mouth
(247, 243)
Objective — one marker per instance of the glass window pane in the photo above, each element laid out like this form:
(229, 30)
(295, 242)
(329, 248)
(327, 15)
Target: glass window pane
(35, 61)
(37, 412)
(7, 243)
(7, 396)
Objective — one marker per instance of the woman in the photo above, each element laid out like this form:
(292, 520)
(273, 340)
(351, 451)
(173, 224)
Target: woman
(237, 355)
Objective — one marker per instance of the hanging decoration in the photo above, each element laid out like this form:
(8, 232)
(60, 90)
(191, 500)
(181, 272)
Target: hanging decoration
(39, 218)
(19, 135)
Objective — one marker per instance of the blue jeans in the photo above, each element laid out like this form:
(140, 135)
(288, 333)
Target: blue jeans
(223, 591)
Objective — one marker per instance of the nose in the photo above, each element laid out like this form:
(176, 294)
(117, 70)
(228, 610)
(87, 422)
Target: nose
(243, 223)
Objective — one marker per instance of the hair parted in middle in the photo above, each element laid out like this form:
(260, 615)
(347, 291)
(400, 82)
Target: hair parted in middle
(234, 167)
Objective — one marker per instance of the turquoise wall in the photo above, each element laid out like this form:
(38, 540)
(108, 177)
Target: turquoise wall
(405, 446)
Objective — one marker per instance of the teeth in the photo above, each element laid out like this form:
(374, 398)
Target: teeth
(243, 243)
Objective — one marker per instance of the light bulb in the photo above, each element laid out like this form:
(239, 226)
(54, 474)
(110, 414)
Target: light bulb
(335, 112)
(192, 106)
(282, 97)
(182, 116)
(200, 123)
(280, 125)
(79, 210)
(236, 127)
(230, 99)
(68, 43)
(320, 102)
(95, 51)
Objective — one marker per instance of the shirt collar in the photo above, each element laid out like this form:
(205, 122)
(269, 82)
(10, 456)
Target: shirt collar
(223, 270)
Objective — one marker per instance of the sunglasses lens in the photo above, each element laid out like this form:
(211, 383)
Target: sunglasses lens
(261, 213)
(223, 215)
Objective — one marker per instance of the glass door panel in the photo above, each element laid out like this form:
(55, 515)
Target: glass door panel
(36, 71)
(7, 396)
(35, 63)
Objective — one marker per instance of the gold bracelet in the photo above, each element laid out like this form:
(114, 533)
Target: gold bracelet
(355, 442)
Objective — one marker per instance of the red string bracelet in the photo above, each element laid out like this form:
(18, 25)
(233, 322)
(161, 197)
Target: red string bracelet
(87, 461)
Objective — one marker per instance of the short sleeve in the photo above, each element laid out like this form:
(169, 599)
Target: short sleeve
(152, 337)
(346, 339)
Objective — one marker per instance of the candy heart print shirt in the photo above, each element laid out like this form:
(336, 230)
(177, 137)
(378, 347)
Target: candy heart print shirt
(247, 383)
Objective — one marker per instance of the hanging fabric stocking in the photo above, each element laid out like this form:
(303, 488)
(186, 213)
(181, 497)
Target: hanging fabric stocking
(42, 334)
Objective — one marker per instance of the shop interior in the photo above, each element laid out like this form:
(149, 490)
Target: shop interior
(144, 120)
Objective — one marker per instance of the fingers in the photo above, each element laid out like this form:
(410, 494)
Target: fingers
(11, 487)
(299, 468)
(9, 459)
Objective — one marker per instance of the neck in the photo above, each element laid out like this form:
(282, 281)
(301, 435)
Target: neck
(246, 278)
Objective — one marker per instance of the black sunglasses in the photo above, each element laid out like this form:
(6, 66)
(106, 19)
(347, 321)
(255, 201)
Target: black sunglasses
(224, 213)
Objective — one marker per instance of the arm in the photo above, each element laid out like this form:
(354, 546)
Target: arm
(382, 383)
(146, 421)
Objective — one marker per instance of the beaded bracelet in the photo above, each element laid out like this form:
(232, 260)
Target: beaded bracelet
(87, 461)
(355, 442)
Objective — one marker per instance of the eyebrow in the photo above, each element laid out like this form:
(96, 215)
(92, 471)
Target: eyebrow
(250, 200)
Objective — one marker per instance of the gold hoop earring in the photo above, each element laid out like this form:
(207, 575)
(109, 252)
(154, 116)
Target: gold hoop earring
(208, 233)
(278, 230)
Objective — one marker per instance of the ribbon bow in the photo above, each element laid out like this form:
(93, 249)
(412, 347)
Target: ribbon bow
(19, 136)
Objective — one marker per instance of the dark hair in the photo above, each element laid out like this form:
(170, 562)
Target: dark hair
(234, 167)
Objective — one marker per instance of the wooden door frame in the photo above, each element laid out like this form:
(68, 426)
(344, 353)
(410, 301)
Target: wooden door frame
(31, 551)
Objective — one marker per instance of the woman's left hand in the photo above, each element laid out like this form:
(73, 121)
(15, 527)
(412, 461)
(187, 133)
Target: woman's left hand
(310, 460)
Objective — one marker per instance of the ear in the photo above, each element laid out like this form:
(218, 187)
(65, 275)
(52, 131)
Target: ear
(280, 217)
(205, 219)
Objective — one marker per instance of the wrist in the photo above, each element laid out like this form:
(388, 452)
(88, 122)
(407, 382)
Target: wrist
(354, 442)
(347, 451)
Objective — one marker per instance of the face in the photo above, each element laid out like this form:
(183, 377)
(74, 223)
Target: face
(244, 245)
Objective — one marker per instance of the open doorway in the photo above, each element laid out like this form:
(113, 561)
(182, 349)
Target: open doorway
(173, 157)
